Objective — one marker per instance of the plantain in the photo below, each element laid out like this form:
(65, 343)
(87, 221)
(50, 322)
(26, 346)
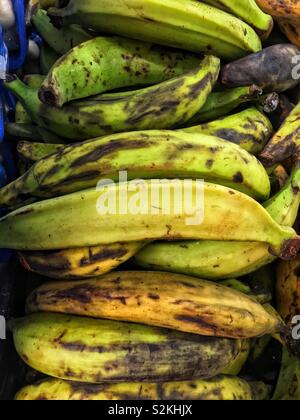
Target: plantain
(87, 69)
(291, 29)
(166, 105)
(185, 24)
(249, 12)
(21, 116)
(286, 142)
(220, 388)
(80, 263)
(250, 129)
(34, 152)
(164, 300)
(145, 210)
(238, 364)
(288, 289)
(60, 40)
(147, 154)
(99, 351)
(271, 69)
(288, 385)
(32, 133)
(220, 104)
(289, 9)
(48, 58)
(219, 260)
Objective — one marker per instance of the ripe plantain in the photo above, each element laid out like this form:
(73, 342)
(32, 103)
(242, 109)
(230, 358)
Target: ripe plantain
(80, 263)
(219, 260)
(160, 299)
(250, 129)
(291, 29)
(185, 24)
(145, 210)
(220, 388)
(87, 69)
(166, 105)
(99, 351)
(288, 289)
(286, 142)
(146, 154)
(60, 40)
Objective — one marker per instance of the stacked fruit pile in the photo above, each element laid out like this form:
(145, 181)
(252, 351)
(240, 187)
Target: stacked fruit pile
(118, 125)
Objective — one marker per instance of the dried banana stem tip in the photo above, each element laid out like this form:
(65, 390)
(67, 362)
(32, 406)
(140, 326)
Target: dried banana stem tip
(290, 249)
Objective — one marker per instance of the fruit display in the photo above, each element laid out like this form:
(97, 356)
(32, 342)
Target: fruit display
(154, 219)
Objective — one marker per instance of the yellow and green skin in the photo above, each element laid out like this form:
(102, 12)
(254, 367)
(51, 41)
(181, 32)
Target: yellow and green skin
(220, 388)
(146, 154)
(219, 259)
(100, 351)
(162, 106)
(108, 63)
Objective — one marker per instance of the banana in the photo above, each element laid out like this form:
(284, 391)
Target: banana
(32, 80)
(32, 133)
(48, 58)
(291, 30)
(80, 263)
(220, 104)
(289, 9)
(288, 385)
(165, 300)
(249, 12)
(166, 105)
(34, 152)
(146, 154)
(99, 351)
(220, 388)
(238, 364)
(250, 129)
(271, 69)
(184, 24)
(219, 260)
(278, 177)
(288, 289)
(286, 142)
(60, 40)
(145, 210)
(87, 69)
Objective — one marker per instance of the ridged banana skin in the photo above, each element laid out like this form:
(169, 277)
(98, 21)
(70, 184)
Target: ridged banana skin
(166, 105)
(221, 104)
(288, 289)
(60, 40)
(228, 215)
(221, 260)
(160, 299)
(87, 69)
(79, 263)
(249, 12)
(186, 24)
(250, 129)
(146, 154)
(98, 351)
(220, 388)
(286, 142)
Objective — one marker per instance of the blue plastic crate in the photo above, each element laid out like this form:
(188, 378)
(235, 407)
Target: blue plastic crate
(10, 63)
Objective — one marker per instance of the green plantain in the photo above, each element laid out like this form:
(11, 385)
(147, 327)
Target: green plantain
(165, 105)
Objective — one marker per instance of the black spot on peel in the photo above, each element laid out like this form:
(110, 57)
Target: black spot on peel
(238, 177)
(105, 254)
(209, 163)
(84, 176)
(112, 147)
(153, 296)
